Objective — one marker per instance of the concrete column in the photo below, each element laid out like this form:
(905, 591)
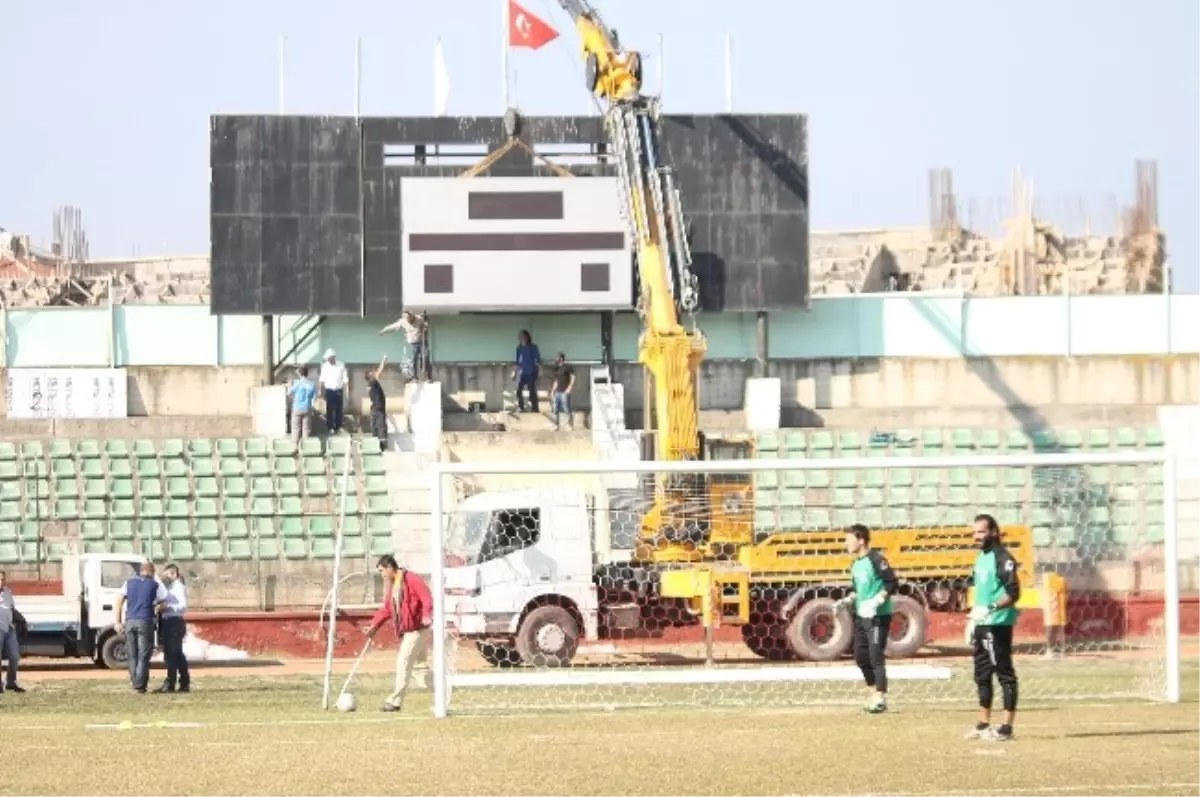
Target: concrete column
(268, 349)
(760, 365)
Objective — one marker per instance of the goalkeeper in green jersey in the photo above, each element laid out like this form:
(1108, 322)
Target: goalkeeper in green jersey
(990, 628)
(873, 583)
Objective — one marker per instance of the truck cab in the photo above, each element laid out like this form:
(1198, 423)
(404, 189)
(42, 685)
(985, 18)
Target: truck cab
(79, 622)
(519, 574)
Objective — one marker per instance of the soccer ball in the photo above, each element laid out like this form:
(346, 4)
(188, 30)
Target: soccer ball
(346, 702)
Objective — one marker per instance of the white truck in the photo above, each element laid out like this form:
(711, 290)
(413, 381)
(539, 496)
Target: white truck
(79, 622)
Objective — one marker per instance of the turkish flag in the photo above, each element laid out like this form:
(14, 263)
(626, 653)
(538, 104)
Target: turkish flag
(527, 30)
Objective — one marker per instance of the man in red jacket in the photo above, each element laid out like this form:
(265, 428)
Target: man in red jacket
(409, 610)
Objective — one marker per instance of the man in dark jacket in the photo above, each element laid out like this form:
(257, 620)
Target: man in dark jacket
(12, 627)
(408, 609)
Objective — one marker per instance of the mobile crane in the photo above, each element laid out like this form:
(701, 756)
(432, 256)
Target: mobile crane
(527, 586)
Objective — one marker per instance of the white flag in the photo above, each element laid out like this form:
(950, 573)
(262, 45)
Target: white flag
(441, 79)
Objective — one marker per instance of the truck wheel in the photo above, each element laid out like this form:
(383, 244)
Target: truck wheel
(909, 624)
(499, 655)
(113, 653)
(548, 637)
(819, 632)
(768, 641)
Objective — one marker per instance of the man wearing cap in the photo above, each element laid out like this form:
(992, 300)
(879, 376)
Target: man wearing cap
(332, 384)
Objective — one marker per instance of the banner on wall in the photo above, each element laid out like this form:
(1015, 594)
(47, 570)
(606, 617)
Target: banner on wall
(66, 393)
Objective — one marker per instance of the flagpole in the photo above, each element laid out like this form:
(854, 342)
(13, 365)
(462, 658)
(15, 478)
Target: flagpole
(357, 77)
(504, 49)
(728, 73)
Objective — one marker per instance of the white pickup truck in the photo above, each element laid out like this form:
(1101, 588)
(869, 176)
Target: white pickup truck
(79, 622)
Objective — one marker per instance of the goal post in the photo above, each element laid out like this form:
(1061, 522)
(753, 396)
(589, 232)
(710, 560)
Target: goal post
(714, 583)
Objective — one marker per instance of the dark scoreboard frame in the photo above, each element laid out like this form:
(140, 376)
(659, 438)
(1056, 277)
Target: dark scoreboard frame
(305, 210)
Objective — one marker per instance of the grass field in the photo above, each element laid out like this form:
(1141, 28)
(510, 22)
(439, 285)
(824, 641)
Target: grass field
(264, 734)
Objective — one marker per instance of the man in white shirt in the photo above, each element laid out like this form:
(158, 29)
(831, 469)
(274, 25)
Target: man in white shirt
(332, 385)
(172, 629)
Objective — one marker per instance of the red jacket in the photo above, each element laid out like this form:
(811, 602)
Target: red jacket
(415, 605)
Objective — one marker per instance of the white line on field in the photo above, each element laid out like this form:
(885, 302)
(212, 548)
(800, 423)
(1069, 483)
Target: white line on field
(1103, 788)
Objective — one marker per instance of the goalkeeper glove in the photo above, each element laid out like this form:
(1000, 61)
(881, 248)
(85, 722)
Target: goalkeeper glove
(980, 613)
(844, 602)
(870, 607)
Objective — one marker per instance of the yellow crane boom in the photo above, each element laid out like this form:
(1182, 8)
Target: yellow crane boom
(674, 528)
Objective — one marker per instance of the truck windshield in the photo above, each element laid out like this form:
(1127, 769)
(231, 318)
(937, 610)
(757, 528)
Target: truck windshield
(467, 538)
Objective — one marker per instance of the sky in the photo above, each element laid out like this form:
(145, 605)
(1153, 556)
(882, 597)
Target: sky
(106, 104)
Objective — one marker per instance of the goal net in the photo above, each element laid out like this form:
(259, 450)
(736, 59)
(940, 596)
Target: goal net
(573, 585)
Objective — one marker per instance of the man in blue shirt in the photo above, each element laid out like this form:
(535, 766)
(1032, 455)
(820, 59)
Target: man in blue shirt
(140, 599)
(528, 361)
(302, 392)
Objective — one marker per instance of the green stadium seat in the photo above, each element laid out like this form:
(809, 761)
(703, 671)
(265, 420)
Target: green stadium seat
(381, 545)
(151, 508)
(66, 509)
(89, 530)
(175, 468)
(898, 517)
(932, 438)
(10, 491)
(267, 547)
(929, 477)
(851, 442)
(206, 507)
(144, 449)
(295, 549)
(350, 504)
(290, 505)
(817, 479)
(183, 550)
(337, 465)
(379, 524)
(61, 449)
(1012, 496)
(338, 445)
(121, 546)
(63, 488)
(874, 477)
(179, 487)
(149, 529)
(1099, 439)
(257, 447)
(321, 525)
(92, 468)
(379, 505)
(150, 488)
(310, 447)
(94, 509)
(316, 486)
(9, 471)
(32, 449)
(821, 444)
(871, 517)
(313, 466)
(845, 479)
(87, 448)
(282, 448)
(122, 508)
(203, 468)
(795, 445)
(171, 448)
(959, 477)
(928, 496)
(788, 478)
(179, 529)
(206, 487)
(845, 517)
(987, 496)
(1152, 437)
(232, 468)
(116, 447)
(262, 486)
(897, 496)
(207, 529)
(236, 528)
(1042, 516)
(10, 553)
(1043, 536)
(350, 525)
(229, 448)
(788, 520)
(263, 527)
(871, 496)
(1153, 474)
(258, 467)
(988, 439)
(377, 485)
(286, 467)
(200, 447)
(352, 547)
(958, 496)
(121, 488)
(986, 477)
(240, 551)
(97, 547)
(1155, 532)
(234, 505)
(29, 531)
(785, 497)
(1016, 440)
(147, 468)
(235, 486)
(210, 550)
(263, 506)
(962, 439)
(844, 497)
(1015, 477)
(291, 527)
(373, 465)
(1043, 439)
(8, 452)
(1070, 439)
(120, 469)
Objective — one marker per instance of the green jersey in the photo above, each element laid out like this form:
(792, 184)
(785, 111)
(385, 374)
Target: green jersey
(996, 576)
(872, 575)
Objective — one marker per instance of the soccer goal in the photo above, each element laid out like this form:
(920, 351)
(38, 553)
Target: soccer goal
(715, 583)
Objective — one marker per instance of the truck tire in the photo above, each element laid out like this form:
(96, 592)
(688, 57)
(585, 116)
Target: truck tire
(113, 653)
(499, 654)
(768, 641)
(909, 625)
(548, 637)
(818, 632)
